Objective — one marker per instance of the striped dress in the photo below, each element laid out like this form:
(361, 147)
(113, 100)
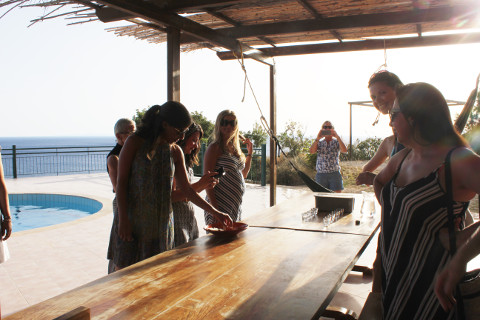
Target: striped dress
(411, 252)
(230, 188)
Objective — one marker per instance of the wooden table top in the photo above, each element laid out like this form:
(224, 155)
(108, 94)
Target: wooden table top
(289, 215)
(262, 273)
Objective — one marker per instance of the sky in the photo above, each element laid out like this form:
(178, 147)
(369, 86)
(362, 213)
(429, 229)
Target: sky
(59, 80)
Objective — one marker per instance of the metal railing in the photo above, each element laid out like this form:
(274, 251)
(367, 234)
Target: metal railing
(54, 161)
(258, 170)
(67, 160)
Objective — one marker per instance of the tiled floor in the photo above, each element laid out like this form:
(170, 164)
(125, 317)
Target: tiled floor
(49, 261)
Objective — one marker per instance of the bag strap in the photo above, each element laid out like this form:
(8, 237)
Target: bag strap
(451, 232)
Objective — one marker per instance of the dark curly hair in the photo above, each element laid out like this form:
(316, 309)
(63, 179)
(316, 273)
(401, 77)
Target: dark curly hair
(387, 77)
(192, 158)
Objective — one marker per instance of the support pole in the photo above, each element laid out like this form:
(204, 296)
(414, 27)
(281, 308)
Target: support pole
(350, 146)
(173, 64)
(273, 145)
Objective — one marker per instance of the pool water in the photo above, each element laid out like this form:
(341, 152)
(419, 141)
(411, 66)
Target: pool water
(32, 210)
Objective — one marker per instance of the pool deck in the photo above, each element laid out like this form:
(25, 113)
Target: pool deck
(48, 261)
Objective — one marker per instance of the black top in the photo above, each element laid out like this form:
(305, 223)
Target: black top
(115, 152)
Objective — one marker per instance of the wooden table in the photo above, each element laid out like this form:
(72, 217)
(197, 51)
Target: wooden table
(289, 215)
(262, 273)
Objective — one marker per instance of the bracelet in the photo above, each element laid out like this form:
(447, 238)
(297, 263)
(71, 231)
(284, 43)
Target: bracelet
(7, 219)
(248, 154)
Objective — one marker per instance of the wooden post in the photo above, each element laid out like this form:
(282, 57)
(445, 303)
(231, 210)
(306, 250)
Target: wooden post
(350, 146)
(173, 64)
(273, 145)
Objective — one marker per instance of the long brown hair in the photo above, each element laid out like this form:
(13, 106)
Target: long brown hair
(192, 158)
(430, 115)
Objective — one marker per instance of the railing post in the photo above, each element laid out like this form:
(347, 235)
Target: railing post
(14, 161)
(264, 165)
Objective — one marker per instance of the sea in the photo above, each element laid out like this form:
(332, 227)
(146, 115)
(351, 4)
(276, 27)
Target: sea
(46, 142)
(54, 155)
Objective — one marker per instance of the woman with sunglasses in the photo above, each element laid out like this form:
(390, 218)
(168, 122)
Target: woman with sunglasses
(382, 86)
(412, 192)
(185, 223)
(224, 152)
(148, 162)
(328, 146)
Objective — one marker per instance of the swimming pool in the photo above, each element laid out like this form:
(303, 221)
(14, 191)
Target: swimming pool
(36, 210)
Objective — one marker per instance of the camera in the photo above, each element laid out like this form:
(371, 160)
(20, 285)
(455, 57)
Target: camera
(220, 172)
(326, 132)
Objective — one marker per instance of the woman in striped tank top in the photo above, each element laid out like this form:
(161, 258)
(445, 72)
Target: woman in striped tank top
(225, 152)
(411, 190)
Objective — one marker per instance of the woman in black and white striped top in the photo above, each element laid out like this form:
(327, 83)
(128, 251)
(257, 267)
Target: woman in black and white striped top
(225, 152)
(412, 192)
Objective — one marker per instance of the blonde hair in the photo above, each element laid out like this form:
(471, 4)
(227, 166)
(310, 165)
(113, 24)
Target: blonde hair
(233, 141)
(122, 125)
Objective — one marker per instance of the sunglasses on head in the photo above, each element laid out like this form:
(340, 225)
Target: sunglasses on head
(225, 122)
(327, 127)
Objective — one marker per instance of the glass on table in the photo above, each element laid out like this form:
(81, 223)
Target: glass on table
(368, 204)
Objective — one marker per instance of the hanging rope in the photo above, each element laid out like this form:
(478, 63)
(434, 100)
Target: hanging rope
(384, 67)
(314, 186)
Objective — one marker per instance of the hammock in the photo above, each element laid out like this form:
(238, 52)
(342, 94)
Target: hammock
(309, 182)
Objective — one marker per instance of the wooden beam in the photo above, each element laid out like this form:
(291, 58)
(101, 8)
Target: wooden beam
(318, 16)
(107, 14)
(151, 13)
(345, 22)
(235, 23)
(193, 4)
(376, 44)
(173, 64)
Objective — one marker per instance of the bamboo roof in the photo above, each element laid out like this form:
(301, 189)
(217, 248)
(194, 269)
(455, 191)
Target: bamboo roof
(266, 28)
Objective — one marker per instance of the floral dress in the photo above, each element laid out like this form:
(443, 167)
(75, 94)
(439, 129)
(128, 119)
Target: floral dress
(149, 206)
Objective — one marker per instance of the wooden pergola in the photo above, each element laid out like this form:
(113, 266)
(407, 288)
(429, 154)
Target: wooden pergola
(263, 29)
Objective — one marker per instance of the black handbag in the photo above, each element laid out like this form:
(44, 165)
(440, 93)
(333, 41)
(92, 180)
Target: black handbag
(468, 290)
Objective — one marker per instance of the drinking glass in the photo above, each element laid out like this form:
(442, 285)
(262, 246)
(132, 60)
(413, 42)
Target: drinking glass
(368, 204)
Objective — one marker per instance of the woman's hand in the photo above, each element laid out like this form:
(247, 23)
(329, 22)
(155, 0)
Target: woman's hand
(365, 178)
(249, 145)
(446, 282)
(125, 230)
(224, 219)
(5, 229)
(208, 181)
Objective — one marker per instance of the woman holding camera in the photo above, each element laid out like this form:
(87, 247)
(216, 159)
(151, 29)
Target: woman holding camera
(328, 146)
(225, 152)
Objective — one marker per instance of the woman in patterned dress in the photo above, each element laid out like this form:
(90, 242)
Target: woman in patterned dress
(148, 162)
(225, 152)
(185, 223)
(411, 190)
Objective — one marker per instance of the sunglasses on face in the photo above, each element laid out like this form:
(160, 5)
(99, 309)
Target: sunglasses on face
(393, 114)
(180, 132)
(327, 127)
(225, 122)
